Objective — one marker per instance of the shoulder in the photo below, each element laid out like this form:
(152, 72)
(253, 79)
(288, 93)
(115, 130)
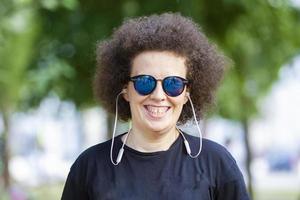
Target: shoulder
(210, 148)
(96, 153)
(216, 161)
(95, 150)
(92, 157)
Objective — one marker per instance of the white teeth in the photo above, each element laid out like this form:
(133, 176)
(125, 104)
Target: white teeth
(157, 111)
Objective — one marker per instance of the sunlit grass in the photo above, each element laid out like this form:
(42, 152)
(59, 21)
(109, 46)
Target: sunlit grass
(46, 192)
(277, 195)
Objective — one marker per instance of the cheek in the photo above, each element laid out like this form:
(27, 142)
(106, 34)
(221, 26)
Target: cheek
(131, 94)
(178, 102)
(134, 98)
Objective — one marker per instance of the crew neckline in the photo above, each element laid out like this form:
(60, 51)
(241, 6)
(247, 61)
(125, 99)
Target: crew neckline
(154, 153)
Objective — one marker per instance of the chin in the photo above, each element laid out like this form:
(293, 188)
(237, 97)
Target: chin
(159, 128)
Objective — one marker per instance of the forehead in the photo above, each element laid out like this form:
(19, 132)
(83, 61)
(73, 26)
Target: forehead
(159, 64)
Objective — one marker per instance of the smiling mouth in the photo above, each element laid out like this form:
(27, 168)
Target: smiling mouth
(157, 111)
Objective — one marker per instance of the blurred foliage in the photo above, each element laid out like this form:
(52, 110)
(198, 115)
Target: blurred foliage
(55, 48)
(18, 30)
(19, 27)
(259, 44)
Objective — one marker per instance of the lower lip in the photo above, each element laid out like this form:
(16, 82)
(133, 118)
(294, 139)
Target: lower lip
(153, 117)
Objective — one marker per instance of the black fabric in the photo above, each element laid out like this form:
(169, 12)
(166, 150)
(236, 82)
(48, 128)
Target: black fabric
(170, 174)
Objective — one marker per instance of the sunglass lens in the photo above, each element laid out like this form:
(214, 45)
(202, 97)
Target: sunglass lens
(144, 85)
(173, 86)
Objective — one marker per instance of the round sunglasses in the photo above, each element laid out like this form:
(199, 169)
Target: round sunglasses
(172, 85)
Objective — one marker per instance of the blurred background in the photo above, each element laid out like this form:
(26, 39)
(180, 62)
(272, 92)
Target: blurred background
(48, 114)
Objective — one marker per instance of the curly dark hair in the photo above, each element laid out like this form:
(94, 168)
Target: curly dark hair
(165, 32)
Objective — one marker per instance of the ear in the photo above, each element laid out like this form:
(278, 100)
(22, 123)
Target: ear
(187, 94)
(125, 94)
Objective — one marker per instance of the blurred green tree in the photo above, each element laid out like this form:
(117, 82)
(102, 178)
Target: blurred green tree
(22, 79)
(18, 30)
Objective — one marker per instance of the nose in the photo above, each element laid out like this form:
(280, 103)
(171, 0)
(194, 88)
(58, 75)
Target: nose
(158, 94)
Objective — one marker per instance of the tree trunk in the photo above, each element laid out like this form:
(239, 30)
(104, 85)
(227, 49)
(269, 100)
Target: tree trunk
(204, 127)
(245, 124)
(110, 125)
(5, 154)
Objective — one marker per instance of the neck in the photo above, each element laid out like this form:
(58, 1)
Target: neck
(151, 141)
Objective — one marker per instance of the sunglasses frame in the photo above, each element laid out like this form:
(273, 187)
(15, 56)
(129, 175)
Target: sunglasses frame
(134, 79)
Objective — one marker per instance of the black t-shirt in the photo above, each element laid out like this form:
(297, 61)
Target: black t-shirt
(170, 174)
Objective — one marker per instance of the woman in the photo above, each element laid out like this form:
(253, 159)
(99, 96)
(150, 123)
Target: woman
(147, 73)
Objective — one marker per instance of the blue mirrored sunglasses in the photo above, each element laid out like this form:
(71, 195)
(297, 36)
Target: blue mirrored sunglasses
(172, 85)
